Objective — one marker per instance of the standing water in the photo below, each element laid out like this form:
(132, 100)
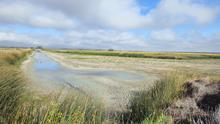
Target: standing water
(109, 85)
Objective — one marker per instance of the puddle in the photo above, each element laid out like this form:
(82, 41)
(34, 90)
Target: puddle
(43, 63)
(109, 85)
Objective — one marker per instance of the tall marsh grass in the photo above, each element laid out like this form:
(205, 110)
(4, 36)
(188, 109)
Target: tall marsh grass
(11, 81)
(147, 106)
(58, 109)
(11, 89)
(12, 56)
(20, 106)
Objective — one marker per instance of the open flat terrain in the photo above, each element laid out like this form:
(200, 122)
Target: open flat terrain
(149, 69)
(130, 88)
(146, 65)
(112, 86)
(109, 61)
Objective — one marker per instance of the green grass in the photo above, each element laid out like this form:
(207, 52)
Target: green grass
(11, 88)
(58, 109)
(18, 106)
(158, 55)
(11, 81)
(161, 119)
(148, 105)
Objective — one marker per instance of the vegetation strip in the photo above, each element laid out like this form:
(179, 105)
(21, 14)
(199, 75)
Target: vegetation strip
(157, 55)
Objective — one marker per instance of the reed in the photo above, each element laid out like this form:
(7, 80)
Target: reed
(18, 106)
(148, 105)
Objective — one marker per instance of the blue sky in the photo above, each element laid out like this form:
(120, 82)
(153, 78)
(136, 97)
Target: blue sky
(146, 25)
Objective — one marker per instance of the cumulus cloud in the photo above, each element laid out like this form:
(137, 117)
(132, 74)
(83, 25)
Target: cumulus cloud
(12, 36)
(123, 14)
(29, 14)
(126, 14)
(95, 23)
(92, 39)
(103, 39)
(163, 35)
(170, 13)
(159, 40)
(168, 40)
(13, 39)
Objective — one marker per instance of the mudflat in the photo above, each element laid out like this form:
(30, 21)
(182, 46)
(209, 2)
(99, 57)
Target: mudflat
(111, 86)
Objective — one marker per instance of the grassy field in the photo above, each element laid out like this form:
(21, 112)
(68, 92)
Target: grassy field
(146, 65)
(146, 106)
(158, 55)
(18, 106)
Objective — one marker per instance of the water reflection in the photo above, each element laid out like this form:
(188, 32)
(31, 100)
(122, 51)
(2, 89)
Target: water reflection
(43, 63)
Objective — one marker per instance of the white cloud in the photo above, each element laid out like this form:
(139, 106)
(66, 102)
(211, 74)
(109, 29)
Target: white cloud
(168, 40)
(125, 14)
(115, 14)
(92, 39)
(170, 13)
(11, 36)
(163, 35)
(103, 39)
(121, 14)
(95, 23)
(29, 14)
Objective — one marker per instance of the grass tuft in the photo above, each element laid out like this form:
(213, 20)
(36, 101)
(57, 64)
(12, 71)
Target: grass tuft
(148, 105)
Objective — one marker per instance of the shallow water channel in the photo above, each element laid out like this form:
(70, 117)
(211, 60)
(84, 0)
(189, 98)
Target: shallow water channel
(111, 86)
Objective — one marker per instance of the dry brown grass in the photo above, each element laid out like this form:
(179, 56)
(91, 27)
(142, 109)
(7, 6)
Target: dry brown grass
(11, 56)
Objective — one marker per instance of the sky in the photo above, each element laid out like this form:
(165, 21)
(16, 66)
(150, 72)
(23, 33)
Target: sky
(140, 25)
